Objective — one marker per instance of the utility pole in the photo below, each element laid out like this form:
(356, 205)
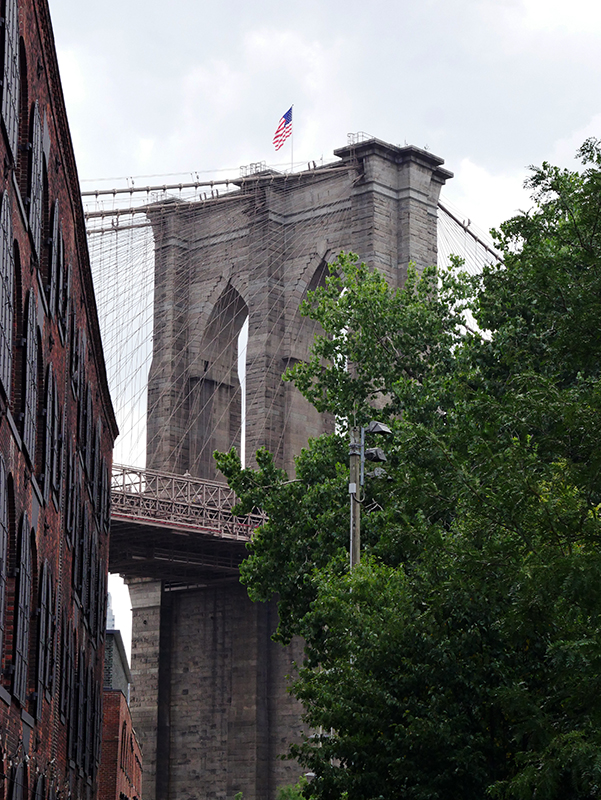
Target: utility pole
(354, 489)
(357, 457)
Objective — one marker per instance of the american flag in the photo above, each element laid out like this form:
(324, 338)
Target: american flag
(284, 129)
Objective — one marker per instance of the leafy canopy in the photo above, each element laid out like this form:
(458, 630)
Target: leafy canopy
(462, 658)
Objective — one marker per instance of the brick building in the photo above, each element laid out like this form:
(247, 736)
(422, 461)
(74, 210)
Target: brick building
(57, 429)
(120, 772)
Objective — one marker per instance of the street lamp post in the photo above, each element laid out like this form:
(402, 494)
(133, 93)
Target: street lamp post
(355, 453)
(357, 457)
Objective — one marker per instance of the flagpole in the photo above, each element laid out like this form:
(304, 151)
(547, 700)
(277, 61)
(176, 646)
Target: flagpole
(292, 141)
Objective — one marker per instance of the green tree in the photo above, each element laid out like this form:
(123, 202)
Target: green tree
(463, 656)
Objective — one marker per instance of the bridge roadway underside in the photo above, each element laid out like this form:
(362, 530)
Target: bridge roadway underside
(209, 696)
(171, 553)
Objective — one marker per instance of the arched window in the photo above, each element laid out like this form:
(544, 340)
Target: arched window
(22, 612)
(23, 146)
(40, 788)
(3, 548)
(51, 656)
(51, 432)
(63, 285)
(97, 727)
(105, 498)
(123, 755)
(19, 789)
(64, 669)
(36, 179)
(94, 568)
(59, 444)
(52, 257)
(30, 386)
(85, 561)
(70, 704)
(10, 81)
(80, 710)
(45, 654)
(101, 592)
(89, 729)
(73, 500)
(89, 434)
(7, 294)
(95, 462)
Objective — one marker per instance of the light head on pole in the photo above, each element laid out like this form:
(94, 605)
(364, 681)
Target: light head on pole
(377, 427)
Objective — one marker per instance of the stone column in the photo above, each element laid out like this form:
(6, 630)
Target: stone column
(145, 595)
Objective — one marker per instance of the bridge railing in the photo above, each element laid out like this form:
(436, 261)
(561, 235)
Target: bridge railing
(179, 501)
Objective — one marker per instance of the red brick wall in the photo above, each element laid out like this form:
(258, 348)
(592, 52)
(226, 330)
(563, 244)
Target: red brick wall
(120, 773)
(39, 727)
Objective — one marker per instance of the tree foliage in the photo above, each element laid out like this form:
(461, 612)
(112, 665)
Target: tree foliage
(462, 658)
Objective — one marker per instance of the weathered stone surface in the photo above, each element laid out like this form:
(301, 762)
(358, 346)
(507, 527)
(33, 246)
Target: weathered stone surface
(256, 254)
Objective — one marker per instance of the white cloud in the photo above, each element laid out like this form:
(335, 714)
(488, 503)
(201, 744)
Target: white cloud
(577, 16)
(490, 198)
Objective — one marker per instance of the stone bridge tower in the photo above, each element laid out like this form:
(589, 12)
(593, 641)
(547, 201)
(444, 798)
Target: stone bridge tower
(210, 702)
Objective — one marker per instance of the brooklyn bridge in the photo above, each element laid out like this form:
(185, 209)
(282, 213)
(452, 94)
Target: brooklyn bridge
(207, 278)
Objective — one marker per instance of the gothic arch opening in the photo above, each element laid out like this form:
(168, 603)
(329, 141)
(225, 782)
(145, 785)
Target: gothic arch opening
(214, 392)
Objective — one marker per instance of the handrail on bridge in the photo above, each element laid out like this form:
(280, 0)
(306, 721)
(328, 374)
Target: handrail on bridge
(179, 500)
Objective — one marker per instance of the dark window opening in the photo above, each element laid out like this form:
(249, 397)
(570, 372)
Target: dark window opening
(30, 380)
(51, 250)
(7, 295)
(23, 146)
(10, 81)
(36, 180)
(3, 550)
(22, 613)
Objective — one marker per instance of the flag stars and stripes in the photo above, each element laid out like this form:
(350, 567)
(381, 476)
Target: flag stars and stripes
(284, 129)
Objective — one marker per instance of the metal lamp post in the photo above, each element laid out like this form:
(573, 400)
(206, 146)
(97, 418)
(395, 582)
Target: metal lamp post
(358, 455)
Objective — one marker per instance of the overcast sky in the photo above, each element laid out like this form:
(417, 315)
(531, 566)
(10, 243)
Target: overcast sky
(193, 87)
(188, 86)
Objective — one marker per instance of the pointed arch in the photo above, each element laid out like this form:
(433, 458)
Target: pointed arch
(214, 387)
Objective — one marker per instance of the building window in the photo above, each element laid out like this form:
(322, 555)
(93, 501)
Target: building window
(45, 654)
(105, 498)
(97, 727)
(73, 498)
(80, 710)
(30, 387)
(10, 82)
(23, 146)
(3, 549)
(68, 704)
(89, 435)
(7, 294)
(52, 258)
(51, 435)
(123, 759)
(19, 780)
(36, 179)
(63, 284)
(22, 612)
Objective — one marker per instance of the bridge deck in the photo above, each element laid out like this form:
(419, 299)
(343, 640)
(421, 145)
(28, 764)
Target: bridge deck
(175, 526)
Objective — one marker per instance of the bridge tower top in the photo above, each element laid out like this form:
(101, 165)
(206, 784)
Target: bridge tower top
(254, 254)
